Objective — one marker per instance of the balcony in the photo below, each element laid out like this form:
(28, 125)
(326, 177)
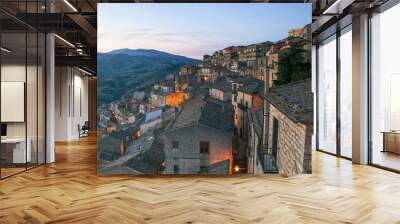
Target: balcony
(242, 106)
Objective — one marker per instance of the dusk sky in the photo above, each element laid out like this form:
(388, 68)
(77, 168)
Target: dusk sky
(193, 30)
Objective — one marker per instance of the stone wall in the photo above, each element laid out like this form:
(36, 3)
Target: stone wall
(294, 144)
(220, 95)
(187, 156)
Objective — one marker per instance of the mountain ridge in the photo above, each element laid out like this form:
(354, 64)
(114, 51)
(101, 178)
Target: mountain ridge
(145, 52)
(122, 71)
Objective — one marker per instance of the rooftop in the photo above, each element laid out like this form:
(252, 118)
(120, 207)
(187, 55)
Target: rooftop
(108, 148)
(223, 85)
(205, 112)
(288, 40)
(189, 114)
(252, 86)
(217, 115)
(159, 93)
(295, 100)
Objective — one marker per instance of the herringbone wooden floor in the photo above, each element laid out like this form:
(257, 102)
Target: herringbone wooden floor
(70, 191)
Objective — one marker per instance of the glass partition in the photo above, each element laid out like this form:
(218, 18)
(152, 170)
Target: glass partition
(346, 92)
(327, 95)
(13, 92)
(385, 89)
(22, 77)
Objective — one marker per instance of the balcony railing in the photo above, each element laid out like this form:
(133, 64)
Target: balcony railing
(267, 161)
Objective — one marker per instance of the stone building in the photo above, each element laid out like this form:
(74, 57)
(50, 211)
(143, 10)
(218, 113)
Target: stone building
(255, 143)
(231, 57)
(254, 58)
(153, 114)
(291, 127)
(181, 83)
(273, 57)
(199, 140)
(221, 90)
(246, 98)
(217, 59)
(158, 98)
(303, 32)
(187, 70)
(167, 86)
(176, 99)
(139, 95)
(207, 59)
(249, 56)
(280, 47)
(206, 73)
(247, 95)
(209, 73)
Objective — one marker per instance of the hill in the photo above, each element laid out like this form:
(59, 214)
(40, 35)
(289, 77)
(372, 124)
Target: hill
(127, 70)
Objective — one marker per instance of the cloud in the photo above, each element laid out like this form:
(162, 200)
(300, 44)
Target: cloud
(191, 44)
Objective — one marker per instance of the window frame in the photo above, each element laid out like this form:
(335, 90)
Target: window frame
(204, 147)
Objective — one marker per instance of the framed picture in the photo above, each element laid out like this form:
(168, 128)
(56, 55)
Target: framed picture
(187, 89)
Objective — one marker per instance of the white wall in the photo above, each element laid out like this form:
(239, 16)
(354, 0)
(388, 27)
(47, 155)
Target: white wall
(61, 103)
(71, 102)
(12, 73)
(154, 114)
(16, 73)
(219, 95)
(33, 126)
(81, 103)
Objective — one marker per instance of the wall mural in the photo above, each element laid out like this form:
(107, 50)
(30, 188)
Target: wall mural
(220, 89)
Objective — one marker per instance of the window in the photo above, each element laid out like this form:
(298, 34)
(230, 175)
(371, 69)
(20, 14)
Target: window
(176, 169)
(275, 135)
(204, 147)
(385, 89)
(334, 83)
(175, 144)
(346, 92)
(327, 95)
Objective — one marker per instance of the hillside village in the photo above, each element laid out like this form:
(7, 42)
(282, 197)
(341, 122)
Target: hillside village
(229, 114)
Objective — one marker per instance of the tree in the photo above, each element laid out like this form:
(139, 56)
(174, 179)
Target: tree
(292, 65)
